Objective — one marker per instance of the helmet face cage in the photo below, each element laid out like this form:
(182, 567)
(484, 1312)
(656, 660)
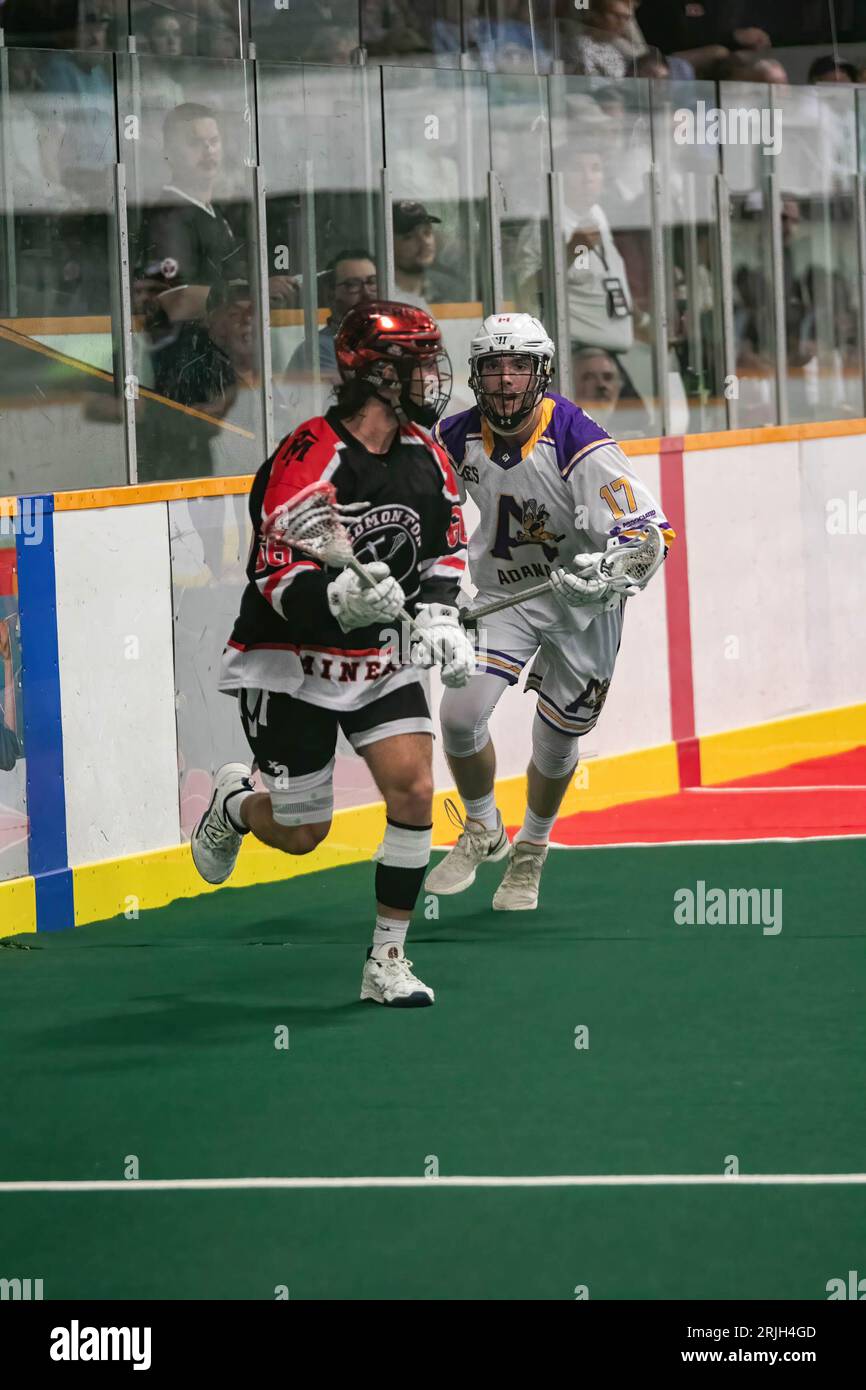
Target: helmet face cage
(431, 381)
(387, 335)
(486, 382)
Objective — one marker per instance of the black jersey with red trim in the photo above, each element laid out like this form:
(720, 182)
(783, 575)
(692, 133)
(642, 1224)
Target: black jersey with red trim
(285, 637)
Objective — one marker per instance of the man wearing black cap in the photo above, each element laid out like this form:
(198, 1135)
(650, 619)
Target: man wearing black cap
(414, 252)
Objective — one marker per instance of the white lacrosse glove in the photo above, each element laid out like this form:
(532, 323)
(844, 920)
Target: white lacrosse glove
(356, 604)
(584, 584)
(576, 590)
(443, 642)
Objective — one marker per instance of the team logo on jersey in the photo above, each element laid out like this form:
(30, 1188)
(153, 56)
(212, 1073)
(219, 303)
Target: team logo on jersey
(391, 534)
(587, 706)
(533, 526)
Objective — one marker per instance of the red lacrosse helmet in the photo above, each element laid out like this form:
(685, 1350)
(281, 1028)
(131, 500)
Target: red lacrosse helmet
(384, 332)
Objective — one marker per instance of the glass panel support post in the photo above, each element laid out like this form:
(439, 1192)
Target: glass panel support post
(561, 334)
(129, 378)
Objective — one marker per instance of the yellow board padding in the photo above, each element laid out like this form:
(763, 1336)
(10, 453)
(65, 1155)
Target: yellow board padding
(17, 906)
(127, 886)
(768, 747)
(759, 434)
(136, 884)
(140, 493)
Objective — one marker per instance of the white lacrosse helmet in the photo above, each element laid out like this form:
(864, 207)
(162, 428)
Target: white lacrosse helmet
(509, 336)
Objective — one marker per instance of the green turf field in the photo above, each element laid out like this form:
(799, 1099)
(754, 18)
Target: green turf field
(155, 1038)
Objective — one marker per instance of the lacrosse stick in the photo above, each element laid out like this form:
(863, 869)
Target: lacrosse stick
(315, 522)
(633, 562)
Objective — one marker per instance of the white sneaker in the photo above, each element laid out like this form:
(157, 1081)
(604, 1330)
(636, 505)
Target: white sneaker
(518, 891)
(215, 843)
(476, 845)
(389, 980)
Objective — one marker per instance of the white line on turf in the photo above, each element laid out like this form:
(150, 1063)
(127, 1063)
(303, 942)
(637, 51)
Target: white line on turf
(541, 1180)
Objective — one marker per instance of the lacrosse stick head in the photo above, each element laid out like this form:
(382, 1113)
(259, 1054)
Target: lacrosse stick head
(635, 562)
(311, 522)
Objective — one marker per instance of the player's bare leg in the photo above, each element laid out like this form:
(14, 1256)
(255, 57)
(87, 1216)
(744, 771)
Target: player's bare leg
(256, 813)
(402, 767)
(475, 775)
(235, 808)
(544, 796)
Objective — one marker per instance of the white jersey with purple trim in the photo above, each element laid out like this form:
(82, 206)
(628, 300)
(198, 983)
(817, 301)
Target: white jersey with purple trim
(566, 491)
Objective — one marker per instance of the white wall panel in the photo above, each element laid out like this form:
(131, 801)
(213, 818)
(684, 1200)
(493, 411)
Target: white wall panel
(120, 747)
(833, 488)
(747, 584)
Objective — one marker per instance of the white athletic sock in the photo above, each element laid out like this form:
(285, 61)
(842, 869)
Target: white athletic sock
(233, 806)
(535, 828)
(484, 809)
(388, 931)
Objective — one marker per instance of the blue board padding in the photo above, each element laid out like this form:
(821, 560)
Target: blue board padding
(55, 902)
(43, 729)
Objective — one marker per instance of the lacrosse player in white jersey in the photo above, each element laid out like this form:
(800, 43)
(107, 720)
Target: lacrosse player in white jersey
(556, 496)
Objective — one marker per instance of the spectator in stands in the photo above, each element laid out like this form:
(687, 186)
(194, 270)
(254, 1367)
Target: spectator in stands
(218, 31)
(162, 33)
(753, 300)
(45, 235)
(190, 237)
(600, 309)
(396, 27)
(94, 22)
(186, 244)
(509, 39)
(314, 31)
(702, 33)
(598, 383)
(414, 252)
(827, 69)
(590, 41)
(351, 279)
(84, 84)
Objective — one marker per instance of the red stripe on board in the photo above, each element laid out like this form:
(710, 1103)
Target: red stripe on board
(679, 613)
(689, 761)
(7, 572)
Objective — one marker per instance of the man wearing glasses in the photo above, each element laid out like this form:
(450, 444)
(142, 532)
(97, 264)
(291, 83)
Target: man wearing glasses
(351, 280)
